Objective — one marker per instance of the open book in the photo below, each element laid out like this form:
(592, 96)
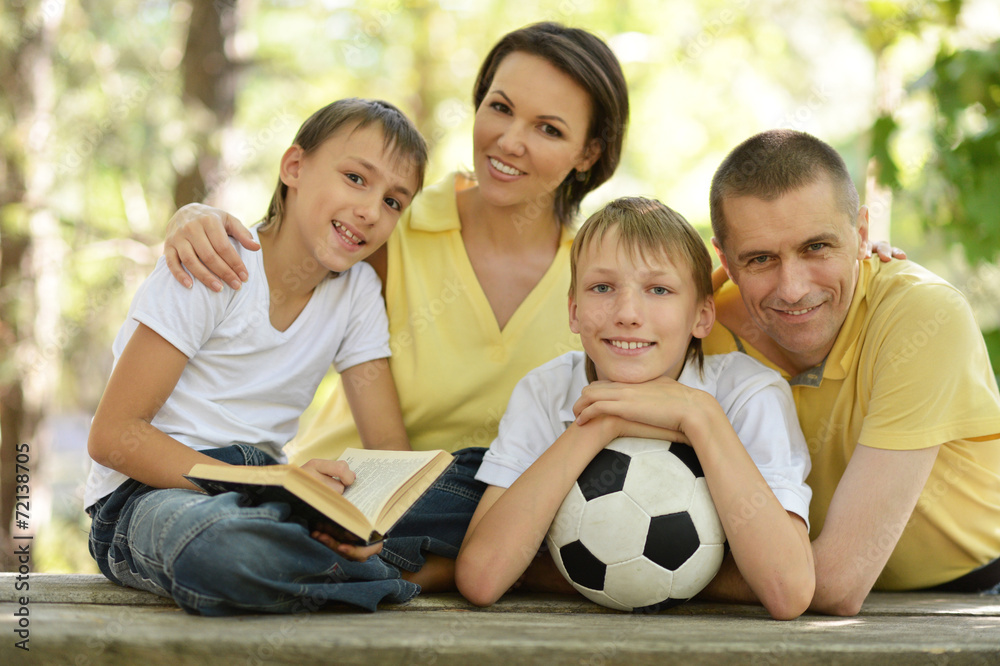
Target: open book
(387, 484)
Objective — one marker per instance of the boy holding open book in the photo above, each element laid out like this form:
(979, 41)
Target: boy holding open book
(221, 378)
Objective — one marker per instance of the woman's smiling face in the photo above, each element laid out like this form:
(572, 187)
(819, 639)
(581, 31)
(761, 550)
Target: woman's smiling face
(530, 131)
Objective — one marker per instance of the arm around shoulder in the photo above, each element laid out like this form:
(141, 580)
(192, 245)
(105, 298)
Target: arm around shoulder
(197, 239)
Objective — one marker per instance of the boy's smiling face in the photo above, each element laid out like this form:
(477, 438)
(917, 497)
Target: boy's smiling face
(345, 197)
(635, 314)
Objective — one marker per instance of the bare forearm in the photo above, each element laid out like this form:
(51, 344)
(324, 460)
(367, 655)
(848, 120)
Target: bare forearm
(374, 401)
(846, 571)
(769, 546)
(842, 582)
(729, 585)
(868, 512)
(140, 451)
(121, 436)
(503, 542)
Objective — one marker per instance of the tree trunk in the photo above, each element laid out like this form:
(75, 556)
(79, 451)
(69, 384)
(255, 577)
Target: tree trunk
(209, 95)
(31, 250)
(878, 197)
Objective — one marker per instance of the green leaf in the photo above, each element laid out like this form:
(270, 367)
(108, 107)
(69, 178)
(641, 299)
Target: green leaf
(882, 131)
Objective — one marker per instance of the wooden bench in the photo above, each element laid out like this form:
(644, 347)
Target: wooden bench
(86, 620)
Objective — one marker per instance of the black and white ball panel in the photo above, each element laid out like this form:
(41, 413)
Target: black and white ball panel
(639, 529)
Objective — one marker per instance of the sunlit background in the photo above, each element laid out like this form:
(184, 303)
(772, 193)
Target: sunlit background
(115, 113)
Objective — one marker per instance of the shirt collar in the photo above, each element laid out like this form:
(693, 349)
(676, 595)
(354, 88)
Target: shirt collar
(436, 207)
(577, 383)
(841, 357)
(811, 377)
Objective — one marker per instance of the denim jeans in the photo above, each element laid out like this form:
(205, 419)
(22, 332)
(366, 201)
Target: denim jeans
(438, 521)
(214, 555)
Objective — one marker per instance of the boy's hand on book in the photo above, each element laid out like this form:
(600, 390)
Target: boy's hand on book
(337, 475)
(333, 473)
(356, 553)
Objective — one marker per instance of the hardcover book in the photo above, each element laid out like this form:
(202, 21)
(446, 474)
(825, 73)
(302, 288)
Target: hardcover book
(387, 484)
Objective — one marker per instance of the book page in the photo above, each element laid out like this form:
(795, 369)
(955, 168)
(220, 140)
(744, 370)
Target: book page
(379, 476)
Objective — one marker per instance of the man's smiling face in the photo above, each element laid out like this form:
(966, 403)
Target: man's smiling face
(795, 260)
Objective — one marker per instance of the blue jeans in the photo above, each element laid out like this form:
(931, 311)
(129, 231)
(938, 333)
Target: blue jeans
(438, 521)
(214, 555)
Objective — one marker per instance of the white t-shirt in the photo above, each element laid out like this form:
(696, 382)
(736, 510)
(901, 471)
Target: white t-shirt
(755, 398)
(246, 382)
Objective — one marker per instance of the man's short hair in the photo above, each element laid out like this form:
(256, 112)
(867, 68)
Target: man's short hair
(773, 163)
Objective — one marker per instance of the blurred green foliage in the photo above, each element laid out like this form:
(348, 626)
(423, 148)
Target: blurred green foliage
(952, 187)
(957, 189)
(966, 85)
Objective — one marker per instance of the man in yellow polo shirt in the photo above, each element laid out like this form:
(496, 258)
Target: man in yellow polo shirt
(889, 371)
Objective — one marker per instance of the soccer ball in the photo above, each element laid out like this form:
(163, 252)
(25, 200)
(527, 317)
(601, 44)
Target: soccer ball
(638, 530)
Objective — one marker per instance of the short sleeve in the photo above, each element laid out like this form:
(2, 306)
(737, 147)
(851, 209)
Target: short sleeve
(527, 429)
(759, 404)
(366, 337)
(930, 380)
(186, 318)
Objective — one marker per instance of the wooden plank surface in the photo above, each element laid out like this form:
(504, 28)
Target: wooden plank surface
(87, 620)
(96, 589)
(86, 634)
(77, 589)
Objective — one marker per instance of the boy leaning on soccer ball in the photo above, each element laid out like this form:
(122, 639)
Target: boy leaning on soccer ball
(640, 298)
